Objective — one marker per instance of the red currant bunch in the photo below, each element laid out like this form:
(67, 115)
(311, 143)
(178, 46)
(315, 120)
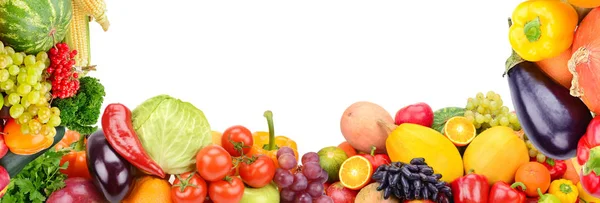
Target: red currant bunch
(62, 73)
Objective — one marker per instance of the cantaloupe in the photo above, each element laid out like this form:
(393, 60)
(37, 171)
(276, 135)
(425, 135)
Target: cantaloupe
(359, 125)
(369, 194)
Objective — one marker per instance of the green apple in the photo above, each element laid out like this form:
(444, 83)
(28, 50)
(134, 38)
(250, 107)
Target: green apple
(266, 194)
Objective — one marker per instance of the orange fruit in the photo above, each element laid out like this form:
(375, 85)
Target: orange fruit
(355, 173)
(350, 151)
(585, 3)
(460, 130)
(534, 175)
(216, 137)
(150, 189)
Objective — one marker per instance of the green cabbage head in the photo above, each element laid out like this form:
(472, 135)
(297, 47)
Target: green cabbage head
(172, 132)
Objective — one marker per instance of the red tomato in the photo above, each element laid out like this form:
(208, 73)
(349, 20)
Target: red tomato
(213, 163)
(237, 139)
(188, 188)
(258, 172)
(230, 190)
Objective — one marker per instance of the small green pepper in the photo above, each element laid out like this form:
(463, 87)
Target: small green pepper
(547, 198)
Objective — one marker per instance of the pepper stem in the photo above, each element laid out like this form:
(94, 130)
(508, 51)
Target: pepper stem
(373, 148)
(542, 197)
(518, 184)
(470, 171)
(80, 146)
(532, 30)
(593, 162)
(514, 58)
(269, 115)
(565, 188)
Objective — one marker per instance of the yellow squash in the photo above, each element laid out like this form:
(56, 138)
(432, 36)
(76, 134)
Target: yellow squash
(409, 141)
(585, 197)
(496, 153)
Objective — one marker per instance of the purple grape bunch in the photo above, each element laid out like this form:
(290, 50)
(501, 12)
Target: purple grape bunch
(306, 185)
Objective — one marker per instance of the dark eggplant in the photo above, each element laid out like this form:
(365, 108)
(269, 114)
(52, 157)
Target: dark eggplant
(552, 119)
(111, 173)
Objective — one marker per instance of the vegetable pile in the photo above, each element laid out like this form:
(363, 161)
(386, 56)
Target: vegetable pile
(547, 149)
(46, 92)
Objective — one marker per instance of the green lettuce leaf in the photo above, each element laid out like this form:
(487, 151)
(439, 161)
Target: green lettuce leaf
(172, 132)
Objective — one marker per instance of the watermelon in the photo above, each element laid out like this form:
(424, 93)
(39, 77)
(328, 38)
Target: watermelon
(33, 26)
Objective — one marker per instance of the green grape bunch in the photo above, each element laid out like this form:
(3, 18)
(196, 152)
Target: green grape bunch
(487, 111)
(26, 92)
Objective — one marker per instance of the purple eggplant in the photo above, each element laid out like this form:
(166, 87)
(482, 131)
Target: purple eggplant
(552, 119)
(111, 173)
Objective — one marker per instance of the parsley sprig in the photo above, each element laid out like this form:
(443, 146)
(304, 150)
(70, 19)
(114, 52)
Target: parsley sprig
(38, 179)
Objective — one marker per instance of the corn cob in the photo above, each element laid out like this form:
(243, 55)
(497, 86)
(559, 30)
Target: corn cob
(97, 10)
(78, 35)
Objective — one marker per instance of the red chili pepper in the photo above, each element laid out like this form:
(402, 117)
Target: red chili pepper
(376, 159)
(557, 168)
(472, 188)
(116, 123)
(588, 156)
(502, 192)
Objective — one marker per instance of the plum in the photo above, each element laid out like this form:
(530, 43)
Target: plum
(77, 190)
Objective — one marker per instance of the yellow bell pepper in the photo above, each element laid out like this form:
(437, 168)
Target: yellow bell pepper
(267, 143)
(585, 197)
(542, 29)
(564, 190)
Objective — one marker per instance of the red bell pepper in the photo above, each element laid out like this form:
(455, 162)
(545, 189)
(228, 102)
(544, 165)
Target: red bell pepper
(588, 156)
(502, 192)
(472, 188)
(376, 159)
(557, 168)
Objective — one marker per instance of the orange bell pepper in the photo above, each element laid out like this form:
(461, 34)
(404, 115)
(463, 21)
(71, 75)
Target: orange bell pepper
(267, 143)
(24, 144)
(76, 157)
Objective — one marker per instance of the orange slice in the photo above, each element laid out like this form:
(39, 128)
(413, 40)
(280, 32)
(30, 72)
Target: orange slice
(460, 130)
(355, 173)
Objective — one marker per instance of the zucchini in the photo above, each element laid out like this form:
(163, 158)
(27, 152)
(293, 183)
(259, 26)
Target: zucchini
(14, 163)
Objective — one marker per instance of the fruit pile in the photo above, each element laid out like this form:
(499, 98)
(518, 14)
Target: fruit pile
(545, 150)
(44, 89)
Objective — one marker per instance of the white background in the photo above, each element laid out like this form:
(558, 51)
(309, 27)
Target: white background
(304, 60)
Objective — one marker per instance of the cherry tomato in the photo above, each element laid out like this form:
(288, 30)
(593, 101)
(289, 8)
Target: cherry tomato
(213, 163)
(229, 190)
(237, 139)
(189, 188)
(258, 172)
(24, 144)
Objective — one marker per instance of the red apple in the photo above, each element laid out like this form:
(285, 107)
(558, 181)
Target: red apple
(419, 113)
(3, 147)
(340, 194)
(4, 180)
(325, 186)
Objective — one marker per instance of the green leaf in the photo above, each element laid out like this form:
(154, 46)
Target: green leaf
(442, 115)
(593, 162)
(37, 180)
